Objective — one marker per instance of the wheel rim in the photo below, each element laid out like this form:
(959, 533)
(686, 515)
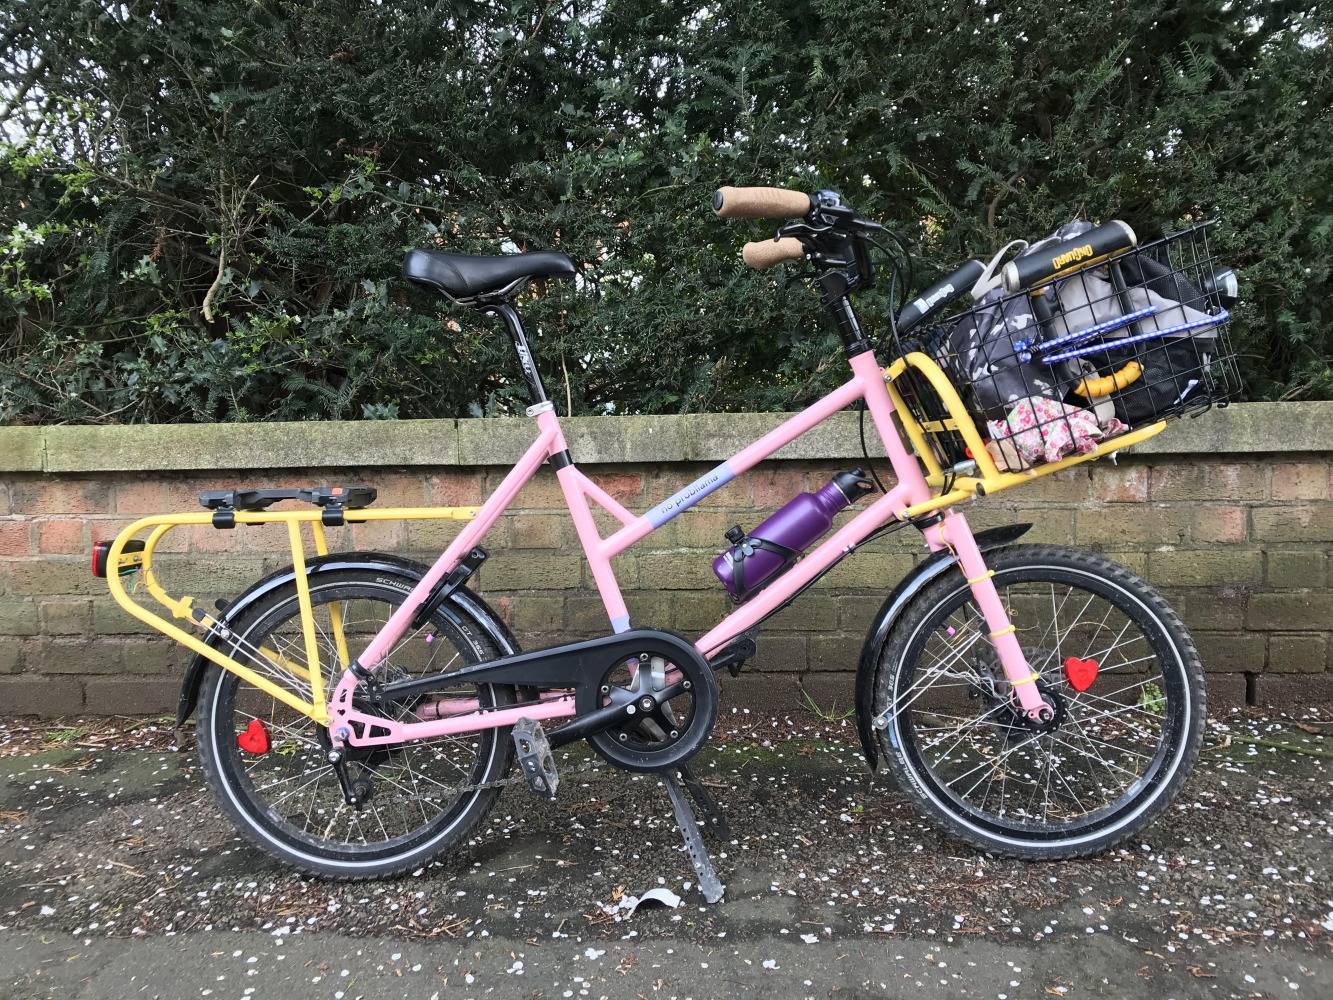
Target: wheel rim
(1116, 745)
(291, 792)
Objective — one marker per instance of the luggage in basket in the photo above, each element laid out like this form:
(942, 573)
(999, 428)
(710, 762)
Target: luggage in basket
(1116, 338)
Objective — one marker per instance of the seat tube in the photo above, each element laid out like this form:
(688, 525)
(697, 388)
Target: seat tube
(954, 532)
(581, 514)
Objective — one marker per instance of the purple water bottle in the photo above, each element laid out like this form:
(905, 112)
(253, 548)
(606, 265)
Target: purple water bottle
(771, 549)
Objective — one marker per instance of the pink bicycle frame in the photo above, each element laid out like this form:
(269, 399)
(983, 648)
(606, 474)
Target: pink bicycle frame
(867, 383)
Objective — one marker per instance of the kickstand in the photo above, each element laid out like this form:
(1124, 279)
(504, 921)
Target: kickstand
(715, 824)
(709, 884)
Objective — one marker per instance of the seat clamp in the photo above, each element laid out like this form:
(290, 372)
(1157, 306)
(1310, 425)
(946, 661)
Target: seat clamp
(537, 408)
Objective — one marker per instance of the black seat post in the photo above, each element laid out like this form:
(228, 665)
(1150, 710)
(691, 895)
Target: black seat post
(514, 326)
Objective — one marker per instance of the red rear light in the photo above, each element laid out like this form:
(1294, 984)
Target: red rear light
(100, 551)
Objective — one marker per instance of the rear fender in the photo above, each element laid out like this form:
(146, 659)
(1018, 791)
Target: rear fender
(867, 671)
(467, 602)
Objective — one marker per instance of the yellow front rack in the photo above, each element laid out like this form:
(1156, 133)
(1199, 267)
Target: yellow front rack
(988, 478)
(310, 676)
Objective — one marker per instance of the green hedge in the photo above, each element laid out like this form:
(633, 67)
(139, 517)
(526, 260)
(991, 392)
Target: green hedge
(204, 205)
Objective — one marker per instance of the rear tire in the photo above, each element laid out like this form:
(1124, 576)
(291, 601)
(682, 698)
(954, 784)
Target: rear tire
(287, 800)
(1119, 750)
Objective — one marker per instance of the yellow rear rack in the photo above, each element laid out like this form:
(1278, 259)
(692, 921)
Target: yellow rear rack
(309, 677)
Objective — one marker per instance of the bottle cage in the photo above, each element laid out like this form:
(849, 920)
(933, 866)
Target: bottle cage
(747, 547)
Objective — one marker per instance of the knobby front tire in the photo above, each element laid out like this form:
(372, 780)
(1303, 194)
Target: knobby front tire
(287, 801)
(1119, 750)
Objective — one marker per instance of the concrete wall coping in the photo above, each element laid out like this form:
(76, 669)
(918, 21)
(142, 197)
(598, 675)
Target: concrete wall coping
(1244, 428)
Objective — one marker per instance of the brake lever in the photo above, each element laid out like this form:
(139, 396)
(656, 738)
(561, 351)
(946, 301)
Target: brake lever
(803, 276)
(844, 222)
(801, 228)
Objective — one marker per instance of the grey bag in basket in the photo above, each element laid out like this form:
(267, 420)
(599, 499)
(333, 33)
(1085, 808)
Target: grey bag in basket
(983, 341)
(1173, 365)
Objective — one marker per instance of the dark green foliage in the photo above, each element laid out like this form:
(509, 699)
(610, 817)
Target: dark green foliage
(273, 160)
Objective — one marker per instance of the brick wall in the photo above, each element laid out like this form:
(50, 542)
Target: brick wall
(1231, 524)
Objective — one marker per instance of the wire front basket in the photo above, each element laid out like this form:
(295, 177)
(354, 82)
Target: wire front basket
(1053, 371)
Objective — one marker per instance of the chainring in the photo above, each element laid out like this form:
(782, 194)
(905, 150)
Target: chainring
(668, 733)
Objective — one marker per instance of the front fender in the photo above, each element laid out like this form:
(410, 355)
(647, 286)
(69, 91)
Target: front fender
(913, 583)
(469, 602)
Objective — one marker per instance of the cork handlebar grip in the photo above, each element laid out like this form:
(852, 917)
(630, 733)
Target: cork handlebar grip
(760, 203)
(764, 254)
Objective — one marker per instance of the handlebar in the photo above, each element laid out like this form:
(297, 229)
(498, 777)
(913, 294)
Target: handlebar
(761, 203)
(764, 254)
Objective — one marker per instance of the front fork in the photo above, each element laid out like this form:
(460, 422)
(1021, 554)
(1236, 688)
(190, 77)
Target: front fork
(953, 533)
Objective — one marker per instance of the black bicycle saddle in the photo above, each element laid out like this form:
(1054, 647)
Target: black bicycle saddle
(470, 279)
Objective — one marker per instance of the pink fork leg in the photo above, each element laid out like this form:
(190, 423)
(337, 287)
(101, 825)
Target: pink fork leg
(954, 532)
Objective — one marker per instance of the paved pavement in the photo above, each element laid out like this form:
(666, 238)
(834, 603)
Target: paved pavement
(118, 878)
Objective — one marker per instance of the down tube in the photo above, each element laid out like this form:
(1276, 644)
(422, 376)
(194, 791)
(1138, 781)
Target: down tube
(777, 593)
(398, 623)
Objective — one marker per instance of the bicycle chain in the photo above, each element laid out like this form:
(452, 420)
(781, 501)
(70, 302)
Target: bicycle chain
(593, 764)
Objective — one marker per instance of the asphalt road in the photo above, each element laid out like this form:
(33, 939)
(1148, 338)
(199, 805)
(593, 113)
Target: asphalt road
(118, 878)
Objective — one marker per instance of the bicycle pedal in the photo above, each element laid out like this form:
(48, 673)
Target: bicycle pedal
(535, 759)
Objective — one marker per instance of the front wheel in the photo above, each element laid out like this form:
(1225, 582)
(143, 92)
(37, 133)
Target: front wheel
(266, 764)
(1116, 663)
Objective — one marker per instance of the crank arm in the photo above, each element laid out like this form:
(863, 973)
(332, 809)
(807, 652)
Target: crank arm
(613, 715)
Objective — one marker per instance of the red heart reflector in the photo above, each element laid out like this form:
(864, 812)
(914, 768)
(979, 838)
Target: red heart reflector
(255, 737)
(1080, 673)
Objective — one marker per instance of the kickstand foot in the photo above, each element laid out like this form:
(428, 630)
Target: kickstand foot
(715, 824)
(709, 884)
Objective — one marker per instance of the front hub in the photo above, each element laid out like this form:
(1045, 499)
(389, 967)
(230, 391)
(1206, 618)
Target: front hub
(991, 684)
(1059, 712)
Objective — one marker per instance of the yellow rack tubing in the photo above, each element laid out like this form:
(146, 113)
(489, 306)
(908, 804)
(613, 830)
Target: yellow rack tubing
(966, 487)
(307, 614)
(923, 451)
(991, 480)
(335, 608)
(952, 402)
(182, 607)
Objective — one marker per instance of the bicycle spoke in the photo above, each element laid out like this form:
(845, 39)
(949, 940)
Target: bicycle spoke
(968, 740)
(1112, 768)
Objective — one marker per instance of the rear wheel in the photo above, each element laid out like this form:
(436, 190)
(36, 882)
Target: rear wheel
(265, 763)
(1115, 662)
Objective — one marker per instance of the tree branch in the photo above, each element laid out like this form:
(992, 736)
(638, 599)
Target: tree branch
(217, 283)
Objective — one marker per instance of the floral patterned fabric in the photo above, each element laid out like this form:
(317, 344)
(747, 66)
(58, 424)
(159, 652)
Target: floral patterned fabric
(1045, 430)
